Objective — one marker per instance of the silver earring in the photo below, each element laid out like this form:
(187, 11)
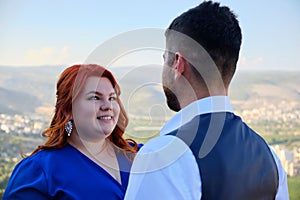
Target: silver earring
(68, 127)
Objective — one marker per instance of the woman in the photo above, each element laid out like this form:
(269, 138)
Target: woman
(85, 156)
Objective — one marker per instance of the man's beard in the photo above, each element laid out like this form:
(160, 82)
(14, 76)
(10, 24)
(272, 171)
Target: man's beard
(172, 100)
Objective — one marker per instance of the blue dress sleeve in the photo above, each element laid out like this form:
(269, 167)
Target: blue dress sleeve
(140, 145)
(28, 181)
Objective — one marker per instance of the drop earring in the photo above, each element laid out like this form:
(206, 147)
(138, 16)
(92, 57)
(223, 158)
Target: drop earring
(69, 127)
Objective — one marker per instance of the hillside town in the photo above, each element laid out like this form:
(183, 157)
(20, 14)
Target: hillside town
(22, 124)
(285, 116)
(290, 160)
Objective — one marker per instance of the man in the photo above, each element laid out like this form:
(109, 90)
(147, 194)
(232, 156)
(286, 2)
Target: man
(204, 151)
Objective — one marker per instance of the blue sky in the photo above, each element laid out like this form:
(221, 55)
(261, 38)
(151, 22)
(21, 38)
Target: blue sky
(64, 32)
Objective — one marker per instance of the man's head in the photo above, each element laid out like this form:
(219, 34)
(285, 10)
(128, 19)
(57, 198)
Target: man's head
(216, 30)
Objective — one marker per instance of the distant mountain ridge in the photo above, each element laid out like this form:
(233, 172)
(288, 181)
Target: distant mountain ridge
(13, 102)
(23, 89)
(269, 86)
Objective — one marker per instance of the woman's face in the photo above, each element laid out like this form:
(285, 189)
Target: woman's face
(96, 110)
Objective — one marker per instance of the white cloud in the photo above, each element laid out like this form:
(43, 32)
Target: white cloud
(140, 57)
(47, 56)
(250, 63)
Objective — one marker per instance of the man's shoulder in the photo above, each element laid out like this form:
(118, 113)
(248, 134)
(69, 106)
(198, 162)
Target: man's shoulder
(160, 152)
(163, 143)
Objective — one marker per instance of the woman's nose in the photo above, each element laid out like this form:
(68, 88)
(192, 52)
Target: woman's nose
(106, 105)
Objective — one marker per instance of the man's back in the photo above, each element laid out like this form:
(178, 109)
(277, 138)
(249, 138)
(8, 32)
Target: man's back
(239, 166)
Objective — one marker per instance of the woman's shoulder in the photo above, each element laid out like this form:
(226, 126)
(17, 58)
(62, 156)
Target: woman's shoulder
(34, 172)
(139, 145)
(44, 156)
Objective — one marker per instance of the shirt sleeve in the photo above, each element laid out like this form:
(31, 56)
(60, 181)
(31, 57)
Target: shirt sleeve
(27, 181)
(282, 191)
(164, 168)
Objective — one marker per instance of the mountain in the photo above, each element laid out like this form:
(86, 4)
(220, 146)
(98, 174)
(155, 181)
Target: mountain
(25, 88)
(22, 89)
(265, 90)
(13, 102)
(269, 85)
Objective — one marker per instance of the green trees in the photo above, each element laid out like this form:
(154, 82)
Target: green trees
(6, 167)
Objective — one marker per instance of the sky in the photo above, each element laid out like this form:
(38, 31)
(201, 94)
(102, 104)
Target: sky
(65, 32)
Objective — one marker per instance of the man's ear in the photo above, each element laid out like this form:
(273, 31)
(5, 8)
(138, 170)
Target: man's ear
(179, 65)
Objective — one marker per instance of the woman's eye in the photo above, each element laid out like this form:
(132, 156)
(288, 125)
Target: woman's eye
(94, 98)
(112, 98)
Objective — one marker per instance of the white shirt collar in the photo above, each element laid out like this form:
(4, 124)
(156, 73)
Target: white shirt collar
(206, 105)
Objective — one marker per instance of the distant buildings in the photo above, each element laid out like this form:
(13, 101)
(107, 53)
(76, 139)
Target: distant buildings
(290, 160)
(285, 115)
(22, 124)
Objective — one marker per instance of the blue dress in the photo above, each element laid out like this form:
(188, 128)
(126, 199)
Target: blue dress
(65, 173)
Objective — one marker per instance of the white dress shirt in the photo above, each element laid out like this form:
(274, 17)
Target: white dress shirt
(165, 167)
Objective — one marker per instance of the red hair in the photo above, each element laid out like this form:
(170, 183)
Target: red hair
(69, 85)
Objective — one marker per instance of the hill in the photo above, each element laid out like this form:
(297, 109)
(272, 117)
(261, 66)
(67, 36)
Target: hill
(17, 102)
(27, 84)
(23, 89)
(270, 85)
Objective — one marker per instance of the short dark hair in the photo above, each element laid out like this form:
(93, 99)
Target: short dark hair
(217, 30)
